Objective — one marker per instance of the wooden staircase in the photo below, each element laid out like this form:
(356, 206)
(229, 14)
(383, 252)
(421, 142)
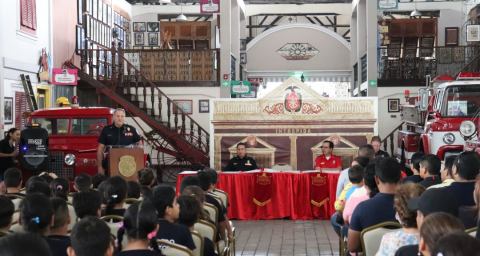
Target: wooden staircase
(179, 141)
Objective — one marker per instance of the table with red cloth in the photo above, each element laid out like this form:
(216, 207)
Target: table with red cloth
(290, 195)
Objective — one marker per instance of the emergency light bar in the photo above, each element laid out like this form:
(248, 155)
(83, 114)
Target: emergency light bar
(469, 75)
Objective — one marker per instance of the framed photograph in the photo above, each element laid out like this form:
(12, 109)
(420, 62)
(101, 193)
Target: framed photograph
(80, 11)
(243, 58)
(185, 105)
(473, 33)
(451, 36)
(8, 110)
(153, 26)
(152, 38)
(243, 44)
(139, 40)
(139, 27)
(393, 105)
(203, 106)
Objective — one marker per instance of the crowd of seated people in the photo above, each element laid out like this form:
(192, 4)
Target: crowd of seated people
(103, 215)
(439, 200)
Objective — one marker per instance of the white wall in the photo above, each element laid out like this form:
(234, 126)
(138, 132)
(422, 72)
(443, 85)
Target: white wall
(389, 121)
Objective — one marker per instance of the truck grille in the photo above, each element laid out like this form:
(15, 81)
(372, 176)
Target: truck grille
(56, 165)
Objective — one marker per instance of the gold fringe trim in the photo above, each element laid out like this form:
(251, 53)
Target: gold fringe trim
(260, 203)
(319, 204)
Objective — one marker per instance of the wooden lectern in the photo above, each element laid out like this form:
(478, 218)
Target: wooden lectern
(125, 162)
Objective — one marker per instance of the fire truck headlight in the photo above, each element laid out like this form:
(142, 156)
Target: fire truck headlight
(468, 129)
(70, 159)
(449, 138)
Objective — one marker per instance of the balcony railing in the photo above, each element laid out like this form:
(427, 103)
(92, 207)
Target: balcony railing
(413, 66)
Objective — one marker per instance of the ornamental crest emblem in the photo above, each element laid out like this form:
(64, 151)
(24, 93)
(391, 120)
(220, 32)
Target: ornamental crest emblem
(127, 166)
(335, 140)
(319, 180)
(251, 142)
(293, 100)
(264, 179)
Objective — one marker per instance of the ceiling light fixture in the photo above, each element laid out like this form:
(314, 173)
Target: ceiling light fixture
(181, 17)
(416, 13)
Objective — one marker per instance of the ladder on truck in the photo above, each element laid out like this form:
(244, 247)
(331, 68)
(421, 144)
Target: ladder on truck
(29, 94)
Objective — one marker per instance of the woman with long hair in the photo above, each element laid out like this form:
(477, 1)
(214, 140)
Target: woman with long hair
(7, 150)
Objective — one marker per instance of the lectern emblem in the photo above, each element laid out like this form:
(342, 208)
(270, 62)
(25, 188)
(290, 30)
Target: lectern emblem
(127, 166)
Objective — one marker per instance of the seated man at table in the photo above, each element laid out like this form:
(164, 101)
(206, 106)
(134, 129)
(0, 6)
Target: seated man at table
(241, 162)
(379, 208)
(328, 161)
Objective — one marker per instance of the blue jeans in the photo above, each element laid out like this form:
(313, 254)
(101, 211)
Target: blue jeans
(336, 226)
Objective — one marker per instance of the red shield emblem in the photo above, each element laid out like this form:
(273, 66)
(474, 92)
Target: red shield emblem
(293, 100)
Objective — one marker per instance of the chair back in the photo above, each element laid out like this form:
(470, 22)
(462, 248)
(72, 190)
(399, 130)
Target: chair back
(15, 228)
(199, 243)
(70, 197)
(128, 202)
(73, 216)
(223, 196)
(16, 199)
(472, 231)
(171, 249)
(372, 236)
(212, 211)
(206, 229)
(220, 201)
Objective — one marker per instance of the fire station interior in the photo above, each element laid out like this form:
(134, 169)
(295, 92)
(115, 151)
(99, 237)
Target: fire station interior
(326, 111)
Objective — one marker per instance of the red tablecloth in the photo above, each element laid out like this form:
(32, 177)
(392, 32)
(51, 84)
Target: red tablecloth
(290, 196)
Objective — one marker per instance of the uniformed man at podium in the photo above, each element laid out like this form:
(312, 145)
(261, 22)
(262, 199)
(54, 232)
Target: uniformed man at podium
(116, 134)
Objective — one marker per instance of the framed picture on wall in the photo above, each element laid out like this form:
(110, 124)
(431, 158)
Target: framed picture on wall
(8, 110)
(139, 40)
(185, 105)
(473, 33)
(139, 26)
(203, 106)
(451, 36)
(393, 105)
(153, 26)
(243, 44)
(152, 38)
(243, 58)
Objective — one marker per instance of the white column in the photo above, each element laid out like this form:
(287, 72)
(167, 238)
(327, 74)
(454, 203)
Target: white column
(236, 38)
(353, 51)
(372, 45)
(2, 79)
(225, 43)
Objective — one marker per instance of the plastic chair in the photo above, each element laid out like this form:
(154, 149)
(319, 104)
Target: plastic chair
(128, 202)
(199, 243)
(371, 237)
(114, 227)
(219, 199)
(171, 249)
(73, 216)
(16, 199)
(223, 196)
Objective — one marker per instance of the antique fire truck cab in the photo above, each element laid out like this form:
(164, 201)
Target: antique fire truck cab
(73, 134)
(434, 120)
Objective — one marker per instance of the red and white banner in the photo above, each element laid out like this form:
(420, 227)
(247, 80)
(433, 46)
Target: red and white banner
(209, 6)
(64, 76)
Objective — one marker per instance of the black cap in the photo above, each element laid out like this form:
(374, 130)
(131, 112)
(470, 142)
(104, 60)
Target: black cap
(435, 200)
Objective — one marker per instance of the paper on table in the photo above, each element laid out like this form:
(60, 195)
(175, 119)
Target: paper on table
(271, 170)
(253, 171)
(189, 172)
(309, 171)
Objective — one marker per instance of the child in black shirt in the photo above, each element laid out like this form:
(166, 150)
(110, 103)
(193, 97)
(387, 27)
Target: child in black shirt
(140, 224)
(58, 238)
(168, 211)
(6, 213)
(115, 192)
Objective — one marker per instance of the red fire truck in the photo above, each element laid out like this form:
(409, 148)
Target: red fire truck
(435, 118)
(72, 135)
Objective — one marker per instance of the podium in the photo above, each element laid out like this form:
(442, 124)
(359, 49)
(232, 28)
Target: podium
(125, 162)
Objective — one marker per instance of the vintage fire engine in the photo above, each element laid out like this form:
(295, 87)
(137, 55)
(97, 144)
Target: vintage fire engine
(435, 118)
(72, 135)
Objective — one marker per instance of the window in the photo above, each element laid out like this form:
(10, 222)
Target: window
(461, 101)
(28, 16)
(54, 126)
(87, 126)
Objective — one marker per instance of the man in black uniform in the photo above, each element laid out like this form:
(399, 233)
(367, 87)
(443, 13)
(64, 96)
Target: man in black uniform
(241, 162)
(117, 133)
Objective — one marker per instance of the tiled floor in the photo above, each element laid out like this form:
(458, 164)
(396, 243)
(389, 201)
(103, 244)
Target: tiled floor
(285, 237)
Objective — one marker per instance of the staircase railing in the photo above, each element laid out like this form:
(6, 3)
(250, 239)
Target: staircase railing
(109, 66)
(472, 66)
(390, 137)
